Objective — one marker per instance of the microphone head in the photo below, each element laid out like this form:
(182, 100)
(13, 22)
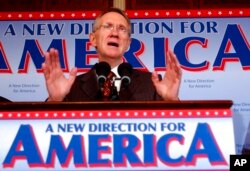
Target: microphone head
(102, 70)
(125, 70)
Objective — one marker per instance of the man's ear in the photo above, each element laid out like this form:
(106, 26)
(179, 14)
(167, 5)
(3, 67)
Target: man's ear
(92, 39)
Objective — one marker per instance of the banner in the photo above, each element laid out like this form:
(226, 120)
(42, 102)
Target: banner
(212, 47)
(157, 139)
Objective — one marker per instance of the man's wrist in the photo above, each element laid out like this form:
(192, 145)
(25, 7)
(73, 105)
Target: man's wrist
(172, 99)
(49, 99)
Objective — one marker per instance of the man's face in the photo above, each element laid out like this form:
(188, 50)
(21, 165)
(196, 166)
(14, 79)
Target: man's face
(111, 38)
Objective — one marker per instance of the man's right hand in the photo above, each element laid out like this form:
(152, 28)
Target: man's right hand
(58, 86)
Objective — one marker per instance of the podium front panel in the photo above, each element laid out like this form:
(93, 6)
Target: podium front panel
(100, 138)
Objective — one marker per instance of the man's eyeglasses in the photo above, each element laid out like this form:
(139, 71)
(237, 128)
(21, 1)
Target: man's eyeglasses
(110, 27)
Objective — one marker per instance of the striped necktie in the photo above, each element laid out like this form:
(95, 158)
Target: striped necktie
(106, 92)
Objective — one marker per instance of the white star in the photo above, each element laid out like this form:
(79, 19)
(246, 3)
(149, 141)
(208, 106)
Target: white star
(62, 15)
(83, 14)
(230, 12)
(209, 13)
(30, 15)
(157, 13)
(167, 13)
(20, 15)
(73, 15)
(219, 12)
(241, 12)
(199, 13)
(136, 14)
(41, 15)
(146, 13)
(178, 13)
(188, 13)
(52, 15)
(9, 16)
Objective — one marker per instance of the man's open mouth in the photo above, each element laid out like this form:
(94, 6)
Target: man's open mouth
(113, 44)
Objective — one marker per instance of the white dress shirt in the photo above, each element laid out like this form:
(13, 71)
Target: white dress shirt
(117, 81)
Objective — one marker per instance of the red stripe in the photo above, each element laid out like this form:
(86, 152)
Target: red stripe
(66, 15)
(106, 114)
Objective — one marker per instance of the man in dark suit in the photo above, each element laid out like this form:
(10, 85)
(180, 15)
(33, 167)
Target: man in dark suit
(85, 88)
(111, 38)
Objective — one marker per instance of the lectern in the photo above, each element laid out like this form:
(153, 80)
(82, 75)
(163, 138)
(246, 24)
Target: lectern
(144, 135)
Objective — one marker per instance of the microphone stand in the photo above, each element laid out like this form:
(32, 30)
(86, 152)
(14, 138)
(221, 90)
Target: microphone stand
(114, 93)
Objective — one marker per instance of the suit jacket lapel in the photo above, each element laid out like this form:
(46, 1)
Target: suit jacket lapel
(89, 84)
(127, 93)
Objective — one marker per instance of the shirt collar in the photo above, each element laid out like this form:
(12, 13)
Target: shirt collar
(115, 71)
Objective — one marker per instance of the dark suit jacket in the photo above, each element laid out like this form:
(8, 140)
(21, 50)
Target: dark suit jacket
(141, 88)
(3, 99)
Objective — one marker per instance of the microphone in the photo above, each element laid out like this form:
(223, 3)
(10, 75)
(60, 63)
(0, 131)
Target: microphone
(102, 70)
(125, 70)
